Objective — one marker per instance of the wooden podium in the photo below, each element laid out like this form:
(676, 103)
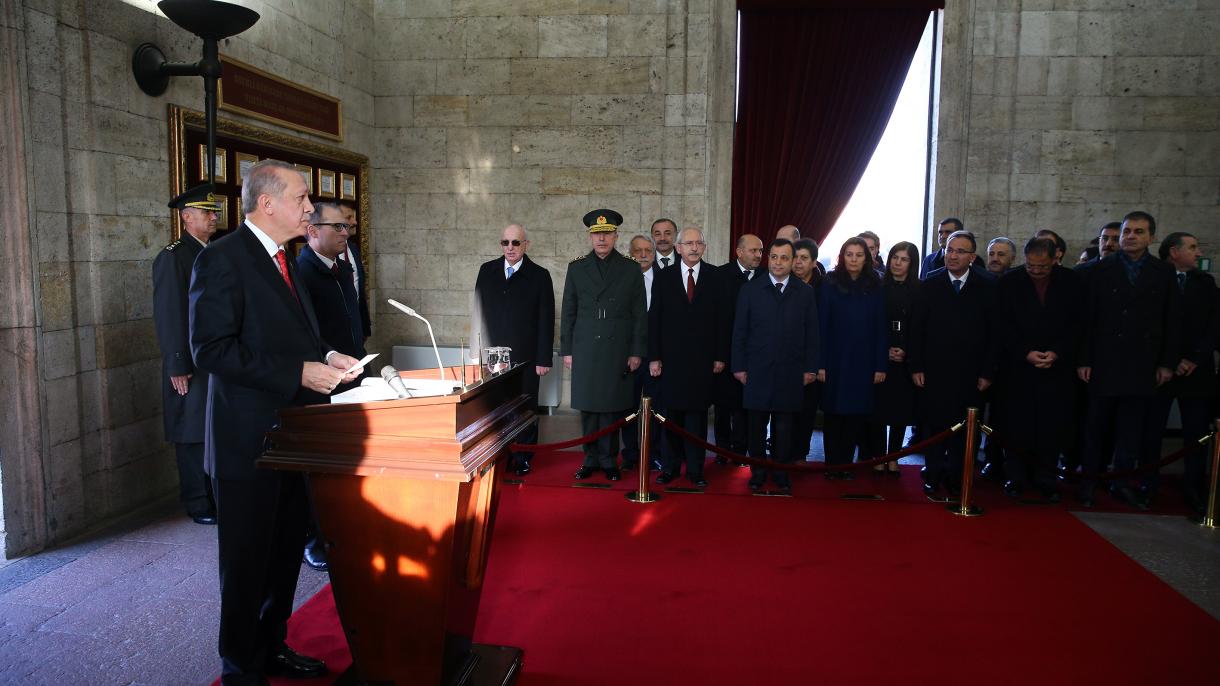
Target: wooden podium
(405, 493)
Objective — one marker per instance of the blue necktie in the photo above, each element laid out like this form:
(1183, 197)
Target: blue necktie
(957, 285)
(508, 274)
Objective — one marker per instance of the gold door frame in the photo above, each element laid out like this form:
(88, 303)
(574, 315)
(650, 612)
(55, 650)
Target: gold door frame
(181, 118)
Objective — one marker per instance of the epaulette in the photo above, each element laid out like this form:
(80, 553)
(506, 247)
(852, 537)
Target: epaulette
(173, 245)
(578, 259)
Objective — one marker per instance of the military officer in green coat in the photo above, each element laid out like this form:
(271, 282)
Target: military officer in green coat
(602, 337)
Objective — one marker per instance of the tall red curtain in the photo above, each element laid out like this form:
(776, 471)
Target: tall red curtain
(816, 88)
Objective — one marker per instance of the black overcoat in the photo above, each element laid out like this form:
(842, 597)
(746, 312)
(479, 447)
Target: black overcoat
(896, 395)
(726, 389)
(684, 335)
(1200, 331)
(518, 312)
(334, 302)
(183, 415)
(953, 343)
(1130, 330)
(775, 341)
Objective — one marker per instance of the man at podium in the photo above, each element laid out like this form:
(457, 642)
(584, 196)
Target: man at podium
(254, 330)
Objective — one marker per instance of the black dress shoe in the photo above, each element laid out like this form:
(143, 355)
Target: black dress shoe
(1052, 496)
(522, 469)
(612, 473)
(583, 473)
(929, 489)
(665, 478)
(1012, 489)
(288, 663)
(205, 518)
(698, 481)
(315, 557)
(1129, 497)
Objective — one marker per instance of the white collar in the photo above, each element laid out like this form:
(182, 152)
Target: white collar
(774, 281)
(961, 278)
(268, 243)
(743, 268)
(695, 266)
(516, 267)
(325, 260)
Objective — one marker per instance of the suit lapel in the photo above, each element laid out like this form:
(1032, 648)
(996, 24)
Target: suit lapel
(264, 266)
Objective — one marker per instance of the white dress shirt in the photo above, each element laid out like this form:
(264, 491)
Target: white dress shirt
(672, 257)
(774, 281)
(648, 288)
(516, 267)
(749, 272)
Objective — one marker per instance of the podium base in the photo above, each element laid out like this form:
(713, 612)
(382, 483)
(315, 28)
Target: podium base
(487, 665)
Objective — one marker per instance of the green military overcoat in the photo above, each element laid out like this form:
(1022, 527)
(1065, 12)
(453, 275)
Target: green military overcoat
(603, 322)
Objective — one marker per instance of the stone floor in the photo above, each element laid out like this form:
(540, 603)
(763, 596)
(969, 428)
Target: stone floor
(137, 604)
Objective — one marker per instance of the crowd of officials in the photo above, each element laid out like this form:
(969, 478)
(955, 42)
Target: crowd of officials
(1076, 367)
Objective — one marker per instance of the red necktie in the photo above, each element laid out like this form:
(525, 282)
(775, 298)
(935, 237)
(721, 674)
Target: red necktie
(281, 258)
(690, 284)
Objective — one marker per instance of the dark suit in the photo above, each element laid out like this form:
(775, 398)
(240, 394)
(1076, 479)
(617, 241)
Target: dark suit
(931, 262)
(775, 341)
(682, 336)
(519, 313)
(1195, 393)
(335, 302)
(731, 421)
(953, 344)
(1039, 404)
(645, 385)
(253, 336)
(183, 414)
(1130, 330)
(362, 288)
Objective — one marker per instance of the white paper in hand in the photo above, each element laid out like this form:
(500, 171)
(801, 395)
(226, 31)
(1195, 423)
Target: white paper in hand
(360, 365)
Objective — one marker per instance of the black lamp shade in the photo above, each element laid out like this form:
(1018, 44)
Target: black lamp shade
(209, 18)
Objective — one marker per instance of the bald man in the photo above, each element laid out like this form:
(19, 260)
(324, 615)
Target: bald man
(730, 422)
(789, 232)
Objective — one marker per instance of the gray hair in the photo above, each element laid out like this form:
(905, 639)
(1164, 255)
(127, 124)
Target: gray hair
(962, 233)
(1003, 239)
(640, 236)
(317, 210)
(702, 236)
(262, 180)
(525, 235)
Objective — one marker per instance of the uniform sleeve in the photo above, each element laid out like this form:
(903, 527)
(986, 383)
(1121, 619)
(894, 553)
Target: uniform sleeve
(639, 312)
(170, 314)
(567, 315)
(216, 310)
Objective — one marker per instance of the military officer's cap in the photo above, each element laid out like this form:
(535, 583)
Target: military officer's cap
(600, 221)
(200, 197)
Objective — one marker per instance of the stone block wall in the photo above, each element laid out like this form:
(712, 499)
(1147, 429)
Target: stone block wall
(76, 331)
(1066, 114)
(534, 112)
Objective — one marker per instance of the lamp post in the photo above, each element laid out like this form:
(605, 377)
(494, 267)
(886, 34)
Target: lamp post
(211, 20)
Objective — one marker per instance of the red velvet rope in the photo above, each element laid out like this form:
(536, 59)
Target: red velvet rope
(533, 448)
(803, 466)
(1111, 476)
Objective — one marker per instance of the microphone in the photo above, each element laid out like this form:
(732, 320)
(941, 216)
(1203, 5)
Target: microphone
(390, 375)
(412, 313)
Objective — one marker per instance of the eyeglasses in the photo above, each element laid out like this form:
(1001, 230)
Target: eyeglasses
(339, 227)
(504, 242)
(700, 243)
(958, 251)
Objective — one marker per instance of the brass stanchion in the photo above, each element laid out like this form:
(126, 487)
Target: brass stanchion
(964, 508)
(1209, 517)
(641, 494)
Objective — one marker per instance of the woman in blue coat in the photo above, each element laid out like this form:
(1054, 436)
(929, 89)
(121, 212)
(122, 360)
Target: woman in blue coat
(854, 352)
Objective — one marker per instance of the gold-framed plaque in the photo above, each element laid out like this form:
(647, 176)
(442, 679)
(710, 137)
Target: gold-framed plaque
(307, 174)
(244, 161)
(326, 183)
(223, 219)
(238, 215)
(347, 187)
(222, 158)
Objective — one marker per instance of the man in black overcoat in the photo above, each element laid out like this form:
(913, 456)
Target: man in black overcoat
(1039, 327)
(359, 273)
(952, 354)
(774, 356)
(516, 308)
(643, 251)
(1129, 347)
(1194, 378)
(253, 329)
(184, 391)
(731, 423)
(685, 351)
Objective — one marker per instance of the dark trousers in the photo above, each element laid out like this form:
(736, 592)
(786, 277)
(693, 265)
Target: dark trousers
(805, 423)
(1197, 419)
(782, 426)
(731, 429)
(843, 434)
(194, 487)
(944, 460)
(1130, 422)
(529, 436)
(261, 531)
(680, 450)
(1033, 457)
(645, 384)
(602, 453)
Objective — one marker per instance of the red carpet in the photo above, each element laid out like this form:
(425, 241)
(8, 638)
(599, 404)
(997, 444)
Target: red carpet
(735, 589)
